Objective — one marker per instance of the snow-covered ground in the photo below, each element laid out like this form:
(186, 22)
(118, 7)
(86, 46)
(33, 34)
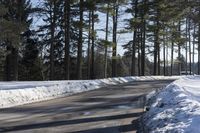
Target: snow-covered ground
(18, 93)
(175, 109)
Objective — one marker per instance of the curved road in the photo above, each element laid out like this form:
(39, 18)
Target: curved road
(113, 109)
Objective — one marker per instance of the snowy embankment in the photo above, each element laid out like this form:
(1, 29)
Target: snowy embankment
(18, 93)
(175, 109)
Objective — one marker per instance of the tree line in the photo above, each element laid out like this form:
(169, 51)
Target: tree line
(60, 39)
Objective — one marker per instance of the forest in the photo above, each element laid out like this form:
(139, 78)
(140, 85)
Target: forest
(79, 39)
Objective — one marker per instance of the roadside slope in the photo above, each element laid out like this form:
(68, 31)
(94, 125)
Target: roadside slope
(176, 108)
(18, 93)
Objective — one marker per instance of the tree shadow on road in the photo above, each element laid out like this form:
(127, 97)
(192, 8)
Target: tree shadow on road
(76, 121)
(114, 129)
(106, 103)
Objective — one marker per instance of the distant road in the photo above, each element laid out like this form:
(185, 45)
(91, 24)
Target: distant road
(112, 109)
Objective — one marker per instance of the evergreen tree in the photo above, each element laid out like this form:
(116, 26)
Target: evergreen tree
(15, 22)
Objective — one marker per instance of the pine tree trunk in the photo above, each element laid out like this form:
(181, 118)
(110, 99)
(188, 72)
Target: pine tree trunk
(172, 57)
(139, 52)
(79, 55)
(53, 17)
(139, 62)
(164, 60)
(8, 65)
(134, 41)
(114, 53)
(92, 58)
(167, 55)
(186, 47)
(15, 63)
(106, 47)
(156, 46)
(89, 47)
(179, 50)
(190, 57)
(15, 51)
(193, 50)
(143, 54)
(156, 42)
(143, 40)
(67, 38)
(158, 49)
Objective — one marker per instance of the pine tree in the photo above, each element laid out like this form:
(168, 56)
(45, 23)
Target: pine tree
(67, 16)
(15, 22)
(52, 38)
(80, 41)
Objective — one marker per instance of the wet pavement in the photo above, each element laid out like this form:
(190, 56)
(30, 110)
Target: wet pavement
(113, 109)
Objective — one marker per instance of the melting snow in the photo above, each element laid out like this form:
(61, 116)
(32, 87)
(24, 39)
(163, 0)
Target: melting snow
(18, 93)
(175, 109)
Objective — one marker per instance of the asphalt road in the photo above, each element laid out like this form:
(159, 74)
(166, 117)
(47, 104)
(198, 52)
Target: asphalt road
(113, 109)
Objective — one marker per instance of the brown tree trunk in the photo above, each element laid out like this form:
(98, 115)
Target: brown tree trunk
(186, 47)
(156, 47)
(89, 47)
(106, 38)
(15, 63)
(67, 38)
(179, 51)
(79, 55)
(134, 42)
(114, 53)
(52, 17)
(189, 39)
(172, 57)
(143, 46)
(164, 59)
(167, 55)
(92, 49)
(8, 65)
(193, 50)
(139, 51)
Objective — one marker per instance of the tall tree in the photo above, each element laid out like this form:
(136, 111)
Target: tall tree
(67, 15)
(51, 38)
(179, 48)
(106, 41)
(186, 47)
(52, 27)
(134, 39)
(114, 48)
(89, 46)
(143, 43)
(15, 22)
(93, 39)
(156, 42)
(80, 41)
(190, 54)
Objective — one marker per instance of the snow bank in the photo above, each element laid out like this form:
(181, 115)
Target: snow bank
(175, 109)
(18, 93)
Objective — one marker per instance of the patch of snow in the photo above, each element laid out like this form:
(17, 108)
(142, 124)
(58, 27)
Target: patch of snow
(18, 93)
(175, 109)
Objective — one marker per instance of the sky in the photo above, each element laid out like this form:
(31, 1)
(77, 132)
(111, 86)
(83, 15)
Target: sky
(121, 39)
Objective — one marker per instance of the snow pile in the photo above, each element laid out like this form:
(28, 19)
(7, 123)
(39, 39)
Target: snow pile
(175, 109)
(17, 93)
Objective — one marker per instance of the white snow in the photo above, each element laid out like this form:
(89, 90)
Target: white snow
(175, 109)
(18, 93)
